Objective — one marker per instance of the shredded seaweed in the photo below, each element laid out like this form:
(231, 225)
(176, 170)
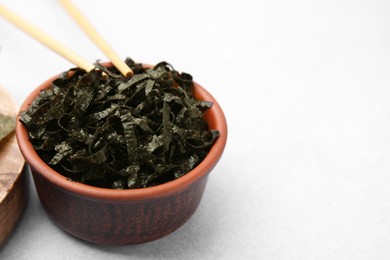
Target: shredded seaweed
(109, 131)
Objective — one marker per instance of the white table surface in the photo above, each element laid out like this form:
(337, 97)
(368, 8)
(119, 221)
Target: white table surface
(305, 86)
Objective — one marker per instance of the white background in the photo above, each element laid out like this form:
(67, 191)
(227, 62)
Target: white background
(305, 87)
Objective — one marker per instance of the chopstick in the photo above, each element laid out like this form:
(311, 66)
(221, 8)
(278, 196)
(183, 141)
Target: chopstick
(45, 39)
(87, 27)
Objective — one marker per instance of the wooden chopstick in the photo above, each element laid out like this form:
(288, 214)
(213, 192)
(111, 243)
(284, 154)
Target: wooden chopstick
(87, 27)
(45, 39)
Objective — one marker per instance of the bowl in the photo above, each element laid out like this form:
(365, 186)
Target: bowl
(13, 182)
(122, 217)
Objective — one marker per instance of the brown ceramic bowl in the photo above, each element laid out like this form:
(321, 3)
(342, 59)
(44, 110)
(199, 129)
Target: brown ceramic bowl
(120, 217)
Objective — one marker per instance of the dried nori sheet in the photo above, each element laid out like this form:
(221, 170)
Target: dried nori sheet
(109, 131)
(7, 125)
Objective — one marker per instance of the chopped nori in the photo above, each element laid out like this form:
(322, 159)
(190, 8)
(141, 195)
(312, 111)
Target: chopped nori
(109, 131)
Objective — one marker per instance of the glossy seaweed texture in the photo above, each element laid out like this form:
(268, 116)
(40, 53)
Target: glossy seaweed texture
(106, 130)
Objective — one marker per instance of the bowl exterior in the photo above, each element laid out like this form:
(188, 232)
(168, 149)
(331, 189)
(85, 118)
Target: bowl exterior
(114, 222)
(114, 217)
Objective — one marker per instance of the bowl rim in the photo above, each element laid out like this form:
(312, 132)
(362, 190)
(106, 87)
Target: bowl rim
(215, 115)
